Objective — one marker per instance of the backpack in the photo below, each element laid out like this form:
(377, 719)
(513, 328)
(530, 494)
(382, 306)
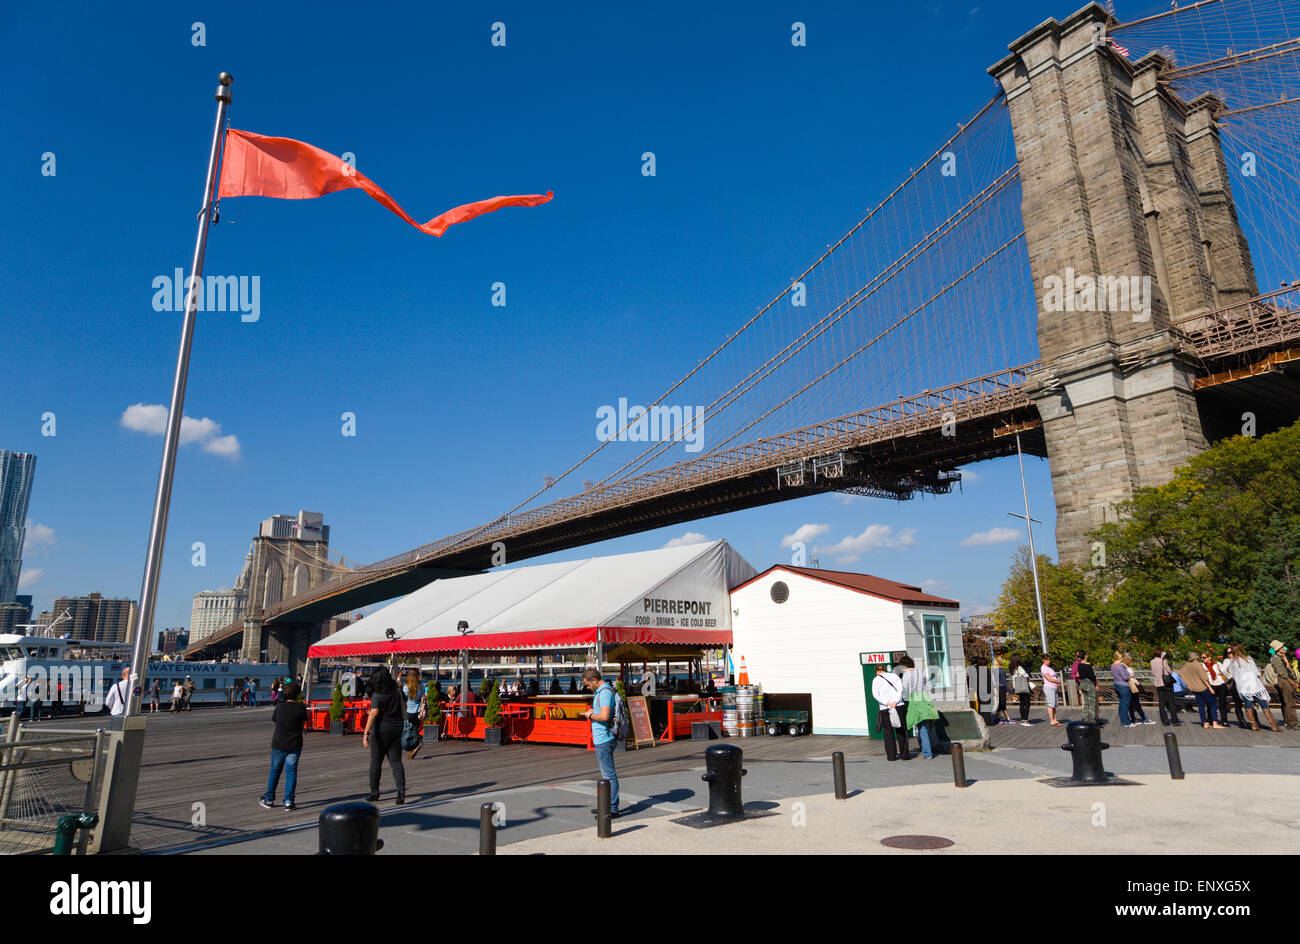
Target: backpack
(1270, 674)
(618, 725)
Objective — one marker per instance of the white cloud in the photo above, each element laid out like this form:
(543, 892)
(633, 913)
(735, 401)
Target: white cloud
(29, 577)
(805, 533)
(151, 418)
(969, 476)
(39, 538)
(690, 537)
(935, 585)
(844, 498)
(222, 446)
(875, 536)
(992, 536)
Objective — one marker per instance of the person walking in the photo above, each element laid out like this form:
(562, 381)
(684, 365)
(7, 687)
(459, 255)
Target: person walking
(1051, 689)
(383, 734)
(178, 692)
(118, 695)
(1197, 681)
(887, 690)
(415, 710)
(155, 695)
(289, 717)
(1023, 687)
(1136, 715)
(252, 693)
(1088, 687)
(1286, 682)
(34, 695)
(601, 714)
(921, 712)
(1243, 672)
(187, 693)
(1162, 679)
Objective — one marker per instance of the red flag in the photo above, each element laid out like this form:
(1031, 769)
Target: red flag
(254, 165)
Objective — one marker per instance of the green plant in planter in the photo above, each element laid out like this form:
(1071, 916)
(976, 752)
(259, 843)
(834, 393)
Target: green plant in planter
(336, 705)
(492, 715)
(431, 693)
(485, 688)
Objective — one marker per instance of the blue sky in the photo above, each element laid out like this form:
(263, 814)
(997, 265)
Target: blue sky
(765, 153)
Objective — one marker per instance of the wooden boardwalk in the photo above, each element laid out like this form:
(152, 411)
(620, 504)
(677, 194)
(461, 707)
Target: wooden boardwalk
(218, 759)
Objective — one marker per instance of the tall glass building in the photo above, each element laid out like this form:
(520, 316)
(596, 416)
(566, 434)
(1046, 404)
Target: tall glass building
(16, 471)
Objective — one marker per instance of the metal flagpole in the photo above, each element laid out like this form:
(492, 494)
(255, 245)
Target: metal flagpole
(162, 500)
(1033, 555)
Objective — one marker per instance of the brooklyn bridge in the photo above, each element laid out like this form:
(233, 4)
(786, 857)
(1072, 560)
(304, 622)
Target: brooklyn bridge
(1100, 265)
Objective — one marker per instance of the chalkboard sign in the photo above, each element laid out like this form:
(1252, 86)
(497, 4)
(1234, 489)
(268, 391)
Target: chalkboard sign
(640, 714)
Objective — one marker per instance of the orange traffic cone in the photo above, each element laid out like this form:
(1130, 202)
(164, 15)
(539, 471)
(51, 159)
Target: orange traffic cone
(743, 677)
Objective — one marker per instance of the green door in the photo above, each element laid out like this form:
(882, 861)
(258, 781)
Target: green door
(869, 662)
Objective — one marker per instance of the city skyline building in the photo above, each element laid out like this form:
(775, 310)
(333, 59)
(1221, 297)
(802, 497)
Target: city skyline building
(94, 617)
(17, 469)
(214, 610)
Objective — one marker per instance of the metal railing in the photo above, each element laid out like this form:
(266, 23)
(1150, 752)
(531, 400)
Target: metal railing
(46, 774)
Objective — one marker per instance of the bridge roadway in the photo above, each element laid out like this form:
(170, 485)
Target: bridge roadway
(895, 450)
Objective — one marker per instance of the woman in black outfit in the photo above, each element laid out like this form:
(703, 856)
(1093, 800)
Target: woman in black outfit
(383, 734)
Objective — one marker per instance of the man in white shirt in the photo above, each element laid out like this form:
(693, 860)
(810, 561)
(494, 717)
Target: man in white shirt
(887, 690)
(118, 695)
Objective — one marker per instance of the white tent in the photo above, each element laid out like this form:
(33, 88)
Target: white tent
(675, 595)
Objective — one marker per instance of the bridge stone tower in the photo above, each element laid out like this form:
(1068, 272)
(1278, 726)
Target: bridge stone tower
(1120, 178)
(288, 556)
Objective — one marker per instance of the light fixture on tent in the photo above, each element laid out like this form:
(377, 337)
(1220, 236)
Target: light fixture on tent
(462, 627)
(390, 633)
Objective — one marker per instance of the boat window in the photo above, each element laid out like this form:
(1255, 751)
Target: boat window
(209, 683)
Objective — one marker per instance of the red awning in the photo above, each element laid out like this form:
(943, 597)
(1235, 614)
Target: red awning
(539, 640)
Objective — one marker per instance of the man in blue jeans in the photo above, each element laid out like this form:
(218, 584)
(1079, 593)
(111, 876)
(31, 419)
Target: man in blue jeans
(601, 716)
(289, 718)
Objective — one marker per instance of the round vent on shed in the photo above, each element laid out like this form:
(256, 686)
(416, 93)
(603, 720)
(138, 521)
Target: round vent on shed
(780, 592)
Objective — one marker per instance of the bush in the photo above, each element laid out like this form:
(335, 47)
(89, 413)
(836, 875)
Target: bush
(492, 715)
(336, 704)
(431, 693)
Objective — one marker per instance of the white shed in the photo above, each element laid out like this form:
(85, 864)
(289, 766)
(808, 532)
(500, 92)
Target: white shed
(805, 630)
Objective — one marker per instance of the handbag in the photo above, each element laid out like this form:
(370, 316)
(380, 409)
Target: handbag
(1133, 685)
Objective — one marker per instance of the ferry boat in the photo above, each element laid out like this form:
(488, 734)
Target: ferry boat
(73, 675)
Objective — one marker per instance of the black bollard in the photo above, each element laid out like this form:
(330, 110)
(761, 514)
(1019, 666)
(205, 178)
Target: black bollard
(1175, 761)
(837, 764)
(603, 818)
(350, 829)
(1085, 748)
(958, 765)
(487, 830)
(723, 777)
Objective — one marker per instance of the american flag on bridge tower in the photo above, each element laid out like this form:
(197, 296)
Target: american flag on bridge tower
(1118, 48)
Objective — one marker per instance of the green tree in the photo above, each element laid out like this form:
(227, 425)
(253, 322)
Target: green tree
(492, 714)
(1070, 608)
(1189, 551)
(1269, 609)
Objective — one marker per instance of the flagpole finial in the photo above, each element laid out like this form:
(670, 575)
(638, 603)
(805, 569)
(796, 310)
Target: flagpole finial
(223, 90)
(226, 79)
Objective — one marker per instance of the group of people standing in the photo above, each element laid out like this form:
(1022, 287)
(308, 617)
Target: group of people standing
(904, 702)
(1212, 682)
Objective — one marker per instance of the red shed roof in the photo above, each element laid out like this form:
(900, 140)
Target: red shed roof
(864, 583)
